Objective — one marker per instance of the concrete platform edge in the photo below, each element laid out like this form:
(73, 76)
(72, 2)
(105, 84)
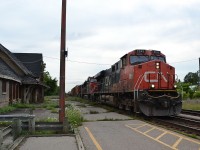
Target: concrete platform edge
(79, 140)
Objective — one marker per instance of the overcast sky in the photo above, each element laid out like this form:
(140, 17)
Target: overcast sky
(101, 31)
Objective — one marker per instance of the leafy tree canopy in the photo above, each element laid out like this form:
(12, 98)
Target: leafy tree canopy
(191, 78)
(51, 82)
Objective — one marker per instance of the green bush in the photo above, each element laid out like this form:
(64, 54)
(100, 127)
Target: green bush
(185, 96)
(191, 93)
(196, 94)
(74, 116)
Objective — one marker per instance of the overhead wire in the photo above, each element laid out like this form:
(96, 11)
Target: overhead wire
(194, 59)
(85, 62)
(92, 63)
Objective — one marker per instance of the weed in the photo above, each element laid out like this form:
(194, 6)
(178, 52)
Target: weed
(74, 116)
(49, 119)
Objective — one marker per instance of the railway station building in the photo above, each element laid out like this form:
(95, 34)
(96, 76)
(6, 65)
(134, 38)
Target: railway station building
(21, 77)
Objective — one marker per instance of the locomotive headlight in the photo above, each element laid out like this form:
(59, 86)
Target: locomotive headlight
(157, 65)
(152, 86)
(175, 86)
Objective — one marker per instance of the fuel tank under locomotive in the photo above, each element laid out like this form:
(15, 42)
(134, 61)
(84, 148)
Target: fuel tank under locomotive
(160, 103)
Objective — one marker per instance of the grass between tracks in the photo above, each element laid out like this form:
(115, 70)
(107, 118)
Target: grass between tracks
(191, 105)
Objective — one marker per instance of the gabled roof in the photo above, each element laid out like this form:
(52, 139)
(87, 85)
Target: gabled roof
(32, 61)
(7, 73)
(15, 60)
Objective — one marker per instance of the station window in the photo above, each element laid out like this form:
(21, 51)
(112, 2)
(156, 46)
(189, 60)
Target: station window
(3, 86)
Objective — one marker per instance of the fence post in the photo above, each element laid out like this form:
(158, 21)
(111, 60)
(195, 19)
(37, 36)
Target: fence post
(1, 139)
(31, 125)
(17, 128)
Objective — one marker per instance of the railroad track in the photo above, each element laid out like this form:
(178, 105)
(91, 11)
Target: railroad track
(191, 112)
(187, 125)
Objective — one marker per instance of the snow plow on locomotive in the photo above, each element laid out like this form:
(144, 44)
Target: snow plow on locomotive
(141, 81)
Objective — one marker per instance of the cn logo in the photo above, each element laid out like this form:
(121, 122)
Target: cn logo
(148, 76)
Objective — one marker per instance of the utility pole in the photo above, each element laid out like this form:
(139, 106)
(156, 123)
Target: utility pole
(63, 54)
(199, 72)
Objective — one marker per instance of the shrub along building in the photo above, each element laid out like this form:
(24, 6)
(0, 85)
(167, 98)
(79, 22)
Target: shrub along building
(21, 77)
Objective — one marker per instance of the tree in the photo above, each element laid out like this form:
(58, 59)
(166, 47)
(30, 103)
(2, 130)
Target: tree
(52, 83)
(191, 78)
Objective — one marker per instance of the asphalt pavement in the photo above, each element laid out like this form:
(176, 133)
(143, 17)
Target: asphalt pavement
(105, 130)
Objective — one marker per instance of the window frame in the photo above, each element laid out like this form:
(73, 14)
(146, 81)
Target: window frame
(4, 86)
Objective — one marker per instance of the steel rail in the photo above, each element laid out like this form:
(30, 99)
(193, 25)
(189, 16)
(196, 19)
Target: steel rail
(180, 123)
(191, 112)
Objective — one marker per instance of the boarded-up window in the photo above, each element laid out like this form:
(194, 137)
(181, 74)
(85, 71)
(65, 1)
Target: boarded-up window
(14, 91)
(3, 86)
(17, 91)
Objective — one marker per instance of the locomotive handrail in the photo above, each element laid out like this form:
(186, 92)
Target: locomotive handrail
(139, 85)
(136, 85)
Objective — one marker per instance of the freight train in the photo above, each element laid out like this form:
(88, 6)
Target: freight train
(141, 81)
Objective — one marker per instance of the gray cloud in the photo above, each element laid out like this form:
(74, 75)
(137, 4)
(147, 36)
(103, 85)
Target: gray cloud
(102, 31)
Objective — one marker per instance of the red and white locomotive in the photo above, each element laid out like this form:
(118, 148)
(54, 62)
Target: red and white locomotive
(141, 81)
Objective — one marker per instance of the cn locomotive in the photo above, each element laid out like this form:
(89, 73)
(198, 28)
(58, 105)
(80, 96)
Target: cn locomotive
(141, 81)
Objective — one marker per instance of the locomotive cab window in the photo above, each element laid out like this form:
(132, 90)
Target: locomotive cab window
(161, 58)
(138, 59)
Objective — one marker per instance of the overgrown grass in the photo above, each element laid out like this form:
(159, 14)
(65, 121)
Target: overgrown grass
(7, 109)
(191, 106)
(49, 119)
(74, 116)
(20, 105)
(77, 99)
(5, 123)
(49, 104)
(39, 133)
(84, 101)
